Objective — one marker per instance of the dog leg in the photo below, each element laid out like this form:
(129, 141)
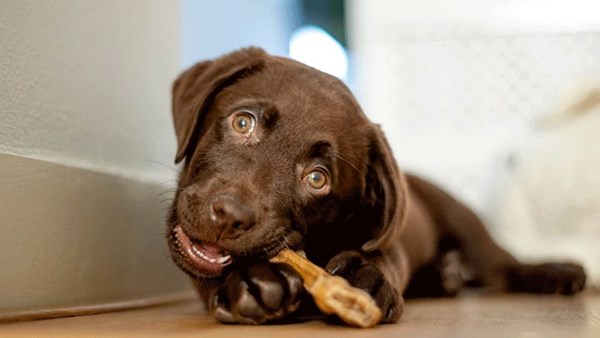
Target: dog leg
(490, 264)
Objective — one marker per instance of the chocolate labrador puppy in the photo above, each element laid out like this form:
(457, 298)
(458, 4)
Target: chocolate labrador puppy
(277, 154)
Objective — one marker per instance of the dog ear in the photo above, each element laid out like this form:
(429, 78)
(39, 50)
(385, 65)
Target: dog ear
(388, 192)
(194, 90)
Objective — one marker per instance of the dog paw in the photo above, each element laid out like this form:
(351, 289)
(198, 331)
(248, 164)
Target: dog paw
(361, 273)
(258, 294)
(549, 278)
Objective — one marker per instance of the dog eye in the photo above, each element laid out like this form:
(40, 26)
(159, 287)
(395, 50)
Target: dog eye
(316, 179)
(243, 123)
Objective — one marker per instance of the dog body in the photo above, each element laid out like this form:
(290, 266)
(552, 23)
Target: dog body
(278, 154)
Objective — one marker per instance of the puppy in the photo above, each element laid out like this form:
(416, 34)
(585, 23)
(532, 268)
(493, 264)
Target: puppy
(277, 154)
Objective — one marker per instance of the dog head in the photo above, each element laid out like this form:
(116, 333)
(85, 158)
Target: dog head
(276, 154)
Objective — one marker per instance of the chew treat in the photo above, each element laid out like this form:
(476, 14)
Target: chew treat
(333, 294)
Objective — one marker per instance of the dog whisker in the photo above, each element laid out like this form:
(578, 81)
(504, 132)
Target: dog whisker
(352, 165)
(163, 165)
(170, 191)
(173, 190)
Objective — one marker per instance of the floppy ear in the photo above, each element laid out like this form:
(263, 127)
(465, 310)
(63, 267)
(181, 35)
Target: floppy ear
(388, 189)
(194, 90)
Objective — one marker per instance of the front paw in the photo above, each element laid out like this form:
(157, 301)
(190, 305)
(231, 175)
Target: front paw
(361, 273)
(257, 294)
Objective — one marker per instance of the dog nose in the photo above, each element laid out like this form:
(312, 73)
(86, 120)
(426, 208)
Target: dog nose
(229, 213)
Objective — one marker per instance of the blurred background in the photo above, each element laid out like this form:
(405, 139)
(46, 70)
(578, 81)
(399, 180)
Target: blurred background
(498, 101)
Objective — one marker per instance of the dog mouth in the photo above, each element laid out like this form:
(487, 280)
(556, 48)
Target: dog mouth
(204, 257)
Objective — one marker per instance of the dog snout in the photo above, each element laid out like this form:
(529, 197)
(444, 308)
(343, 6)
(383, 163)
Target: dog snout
(229, 213)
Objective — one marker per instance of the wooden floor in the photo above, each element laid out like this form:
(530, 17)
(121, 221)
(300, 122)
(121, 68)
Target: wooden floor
(465, 316)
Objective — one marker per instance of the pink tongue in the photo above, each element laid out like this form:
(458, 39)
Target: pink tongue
(208, 251)
(209, 247)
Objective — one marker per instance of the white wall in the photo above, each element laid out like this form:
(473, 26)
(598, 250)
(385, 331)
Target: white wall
(458, 85)
(86, 151)
(88, 82)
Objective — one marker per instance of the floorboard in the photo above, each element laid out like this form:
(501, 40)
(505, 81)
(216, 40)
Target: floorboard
(465, 316)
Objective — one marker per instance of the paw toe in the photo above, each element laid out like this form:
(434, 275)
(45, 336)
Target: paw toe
(269, 288)
(247, 306)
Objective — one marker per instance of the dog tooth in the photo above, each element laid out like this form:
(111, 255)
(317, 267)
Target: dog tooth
(199, 253)
(224, 259)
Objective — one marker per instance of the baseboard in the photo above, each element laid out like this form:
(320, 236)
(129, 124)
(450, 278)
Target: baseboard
(94, 309)
(72, 237)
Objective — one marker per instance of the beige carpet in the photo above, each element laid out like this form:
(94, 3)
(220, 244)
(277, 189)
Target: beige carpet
(465, 316)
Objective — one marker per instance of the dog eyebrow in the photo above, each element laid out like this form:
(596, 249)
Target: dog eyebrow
(270, 115)
(320, 149)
